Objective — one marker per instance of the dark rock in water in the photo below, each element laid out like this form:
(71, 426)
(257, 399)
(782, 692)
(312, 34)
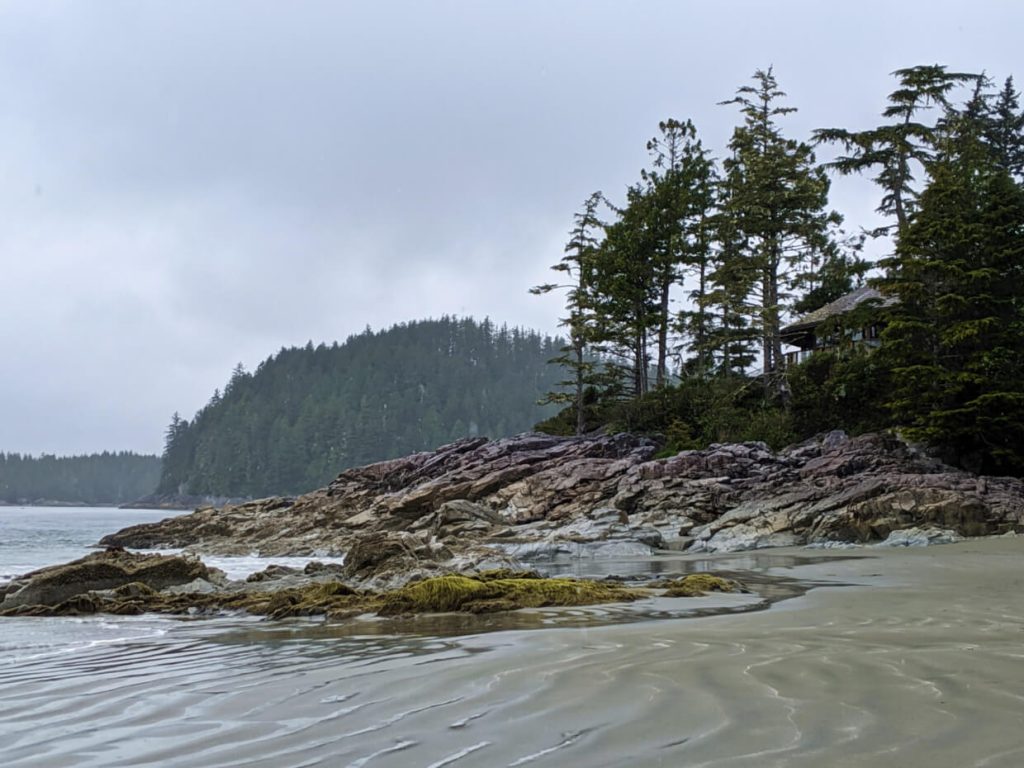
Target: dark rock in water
(316, 568)
(100, 571)
(271, 572)
(606, 496)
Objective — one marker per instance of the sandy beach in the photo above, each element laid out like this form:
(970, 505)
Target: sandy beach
(912, 658)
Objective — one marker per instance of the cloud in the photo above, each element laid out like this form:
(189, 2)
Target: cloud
(190, 185)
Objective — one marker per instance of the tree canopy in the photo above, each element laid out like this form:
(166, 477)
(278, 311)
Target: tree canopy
(99, 478)
(307, 413)
(744, 245)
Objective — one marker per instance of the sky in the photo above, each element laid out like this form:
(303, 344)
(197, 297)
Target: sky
(188, 185)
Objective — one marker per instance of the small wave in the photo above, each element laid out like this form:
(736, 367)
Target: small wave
(359, 763)
(239, 567)
(567, 741)
(459, 755)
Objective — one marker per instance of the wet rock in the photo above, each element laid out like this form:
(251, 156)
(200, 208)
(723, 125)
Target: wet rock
(316, 568)
(99, 571)
(489, 594)
(273, 571)
(194, 587)
(541, 497)
(697, 585)
(920, 537)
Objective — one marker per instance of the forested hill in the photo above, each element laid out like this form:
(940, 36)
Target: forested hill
(307, 413)
(100, 478)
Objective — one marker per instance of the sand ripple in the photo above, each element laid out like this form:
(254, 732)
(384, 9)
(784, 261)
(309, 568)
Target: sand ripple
(920, 666)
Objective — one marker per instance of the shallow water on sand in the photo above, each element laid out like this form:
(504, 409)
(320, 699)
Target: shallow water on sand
(918, 664)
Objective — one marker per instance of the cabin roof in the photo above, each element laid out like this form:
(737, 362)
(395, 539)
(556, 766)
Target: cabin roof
(840, 306)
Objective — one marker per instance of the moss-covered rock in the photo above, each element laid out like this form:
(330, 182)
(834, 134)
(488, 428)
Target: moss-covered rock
(477, 595)
(488, 592)
(698, 584)
(506, 573)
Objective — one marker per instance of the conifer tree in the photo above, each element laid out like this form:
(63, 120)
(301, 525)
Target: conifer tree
(776, 198)
(627, 290)
(896, 147)
(1005, 131)
(678, 199)
(578, 266)
(955, 340)
(730, 339)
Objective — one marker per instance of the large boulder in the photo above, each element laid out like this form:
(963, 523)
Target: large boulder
(99, 571)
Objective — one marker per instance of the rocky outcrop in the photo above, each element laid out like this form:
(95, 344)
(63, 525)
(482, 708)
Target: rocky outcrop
(536, 495)
(99, 571)
(483, 592)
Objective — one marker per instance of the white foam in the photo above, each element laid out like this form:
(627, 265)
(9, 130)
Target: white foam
(238, 567)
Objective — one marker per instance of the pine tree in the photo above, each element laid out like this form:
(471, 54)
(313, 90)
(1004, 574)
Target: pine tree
(776, 199)
(1005, 131)
(578, 266)
(678, 199)
(897, 147)
(955, 341)
(627, 294)
(730, 340)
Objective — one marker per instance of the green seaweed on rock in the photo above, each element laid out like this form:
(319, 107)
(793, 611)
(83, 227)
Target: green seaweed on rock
(698, 584)
(462, 593)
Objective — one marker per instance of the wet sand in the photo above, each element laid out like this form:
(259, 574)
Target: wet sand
(919, 662)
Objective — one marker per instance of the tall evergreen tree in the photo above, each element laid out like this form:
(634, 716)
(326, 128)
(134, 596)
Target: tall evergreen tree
(1005, 130)
(627, 290)
(776, 199)
(897, 147)
(578, 266)
(678, 200)
(955, 340)
(730, 342)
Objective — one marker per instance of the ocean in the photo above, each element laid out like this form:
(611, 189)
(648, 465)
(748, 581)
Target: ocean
(892, 658)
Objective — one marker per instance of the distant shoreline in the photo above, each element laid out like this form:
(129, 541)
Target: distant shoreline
(51, 503)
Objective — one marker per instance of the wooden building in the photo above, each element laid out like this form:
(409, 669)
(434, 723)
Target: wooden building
(809, 336)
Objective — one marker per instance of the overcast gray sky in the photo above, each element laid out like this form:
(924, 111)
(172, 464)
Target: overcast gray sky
(187, 185)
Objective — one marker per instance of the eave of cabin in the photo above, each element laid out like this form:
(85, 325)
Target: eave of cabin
(802, 333)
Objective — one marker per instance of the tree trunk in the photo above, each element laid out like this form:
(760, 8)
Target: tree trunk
(766, 339)
(580, 425)
(662, 334)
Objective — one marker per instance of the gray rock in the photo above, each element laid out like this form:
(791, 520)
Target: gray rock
(564, 496)
(102, 571)
(920, 537)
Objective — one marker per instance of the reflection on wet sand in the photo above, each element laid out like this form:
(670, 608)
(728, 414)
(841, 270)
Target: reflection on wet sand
(916, 664)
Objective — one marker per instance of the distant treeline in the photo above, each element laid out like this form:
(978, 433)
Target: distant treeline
(100, 478)
(307, 413)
